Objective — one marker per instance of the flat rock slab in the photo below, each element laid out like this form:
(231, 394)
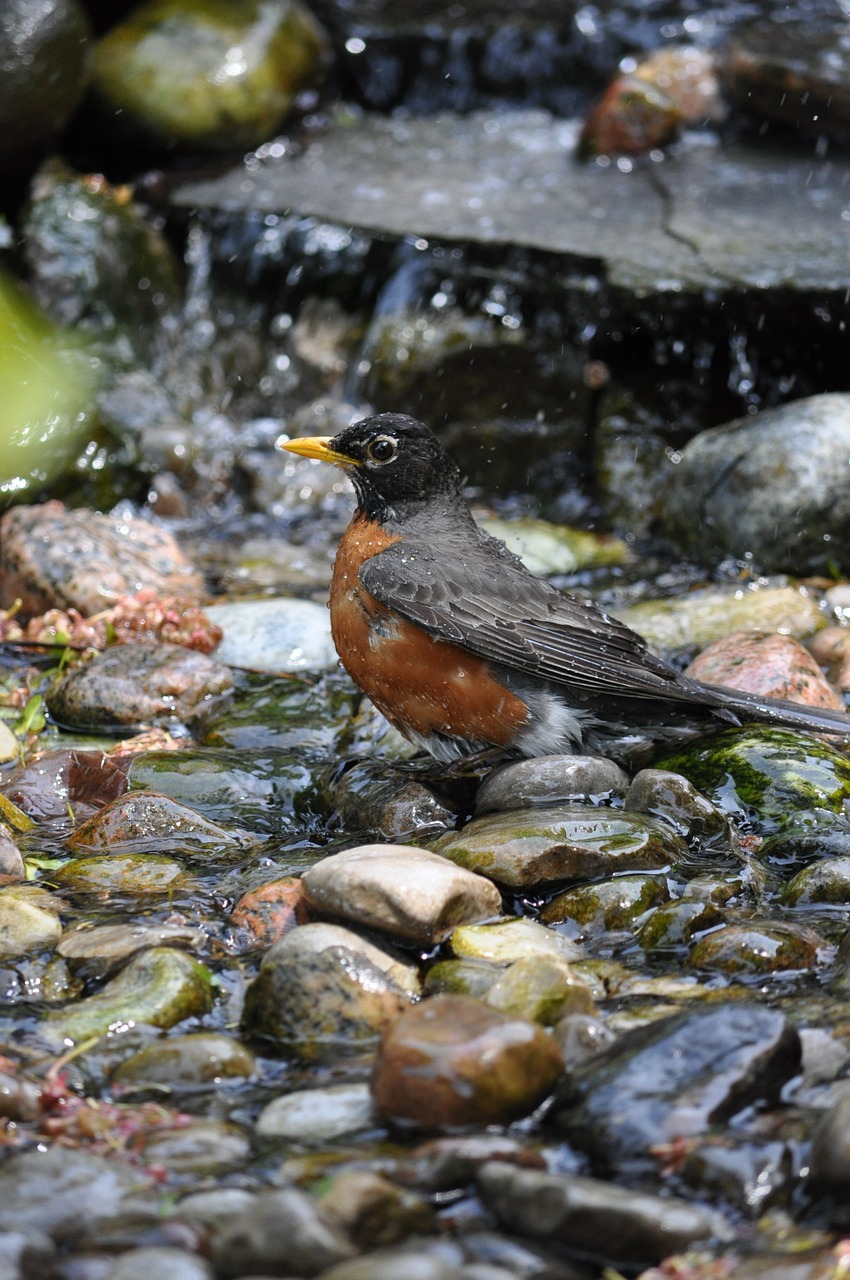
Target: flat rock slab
(707, 216)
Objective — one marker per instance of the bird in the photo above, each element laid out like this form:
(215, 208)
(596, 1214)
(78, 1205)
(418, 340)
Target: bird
(467, 652)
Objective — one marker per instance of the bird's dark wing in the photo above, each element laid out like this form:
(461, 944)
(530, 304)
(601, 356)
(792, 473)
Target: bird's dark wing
(488, 603)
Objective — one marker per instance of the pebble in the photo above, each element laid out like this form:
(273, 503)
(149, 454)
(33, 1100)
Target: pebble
(452, 1061)
(524, 848)
(274, 635)
(264, 915)
(606, 904)
(322, 990)
(144, 818)
(755, 948)
(373, 1211)
(201, 1146)
(28, 922)
(416, 896)
(200, 1058)
(830, 1152)
(599, 1219)
(830, 648)
(99, 951)
(540, 988)
(318, 1115)
(515, 938)
(54, 1189)
(164, 1263)
(133, 684)
(280, 1233)
(672, 798)
(138, 875)
(374, 798)
(52, 557)
(549, 780)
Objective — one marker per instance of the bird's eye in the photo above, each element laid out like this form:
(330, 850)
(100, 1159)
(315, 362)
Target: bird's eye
(382, 449)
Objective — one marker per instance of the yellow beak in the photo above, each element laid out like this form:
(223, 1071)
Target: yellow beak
(317, 447)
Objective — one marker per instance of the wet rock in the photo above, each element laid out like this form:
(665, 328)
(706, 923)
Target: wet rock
(135, 875)
(99, 951)
(143, 818)
(323, 990)
(274, 635)
(741, 489)
(55, 1189)
(160, 987)
(598, 1218)
(830, 1154)
(581, 1037)
(674, 1079)
(318, 1115)
(20, 1099)
(374, 1212)
(29, 922)
(805, 837)
(196, 1059)
(756, 948)
(461, 978)
(11, 860)
(550, 780)
(548, 549)
(750, 1174)
(631, 118)
(51, 557)
(452, 1061)
(413, 1263)
(372, 797)
(524, 848)
(672, 925)
(414, 895)
(506, 941)
(776, 666)
(44, 74)
(794, 73)
(85, 780)
(669, 796)
(169, 68)
(830, 648)
(262, 916)
(763, 774)
(131, 684)
(280, 1231)
(606, 904)
(164, 1263)
(698, 618)
(203, 1146)
(541, 989)
(300, 714)
(214, 1207)
(826, 880)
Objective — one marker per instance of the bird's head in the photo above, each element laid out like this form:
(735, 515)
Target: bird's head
(393, 461)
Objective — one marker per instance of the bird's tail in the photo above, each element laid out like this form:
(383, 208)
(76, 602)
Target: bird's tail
(779, 711)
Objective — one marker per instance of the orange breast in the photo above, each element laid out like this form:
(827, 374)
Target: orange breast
(419, 683)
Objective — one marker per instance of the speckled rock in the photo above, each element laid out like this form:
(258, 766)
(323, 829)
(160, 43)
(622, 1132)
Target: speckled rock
(825, 880)
(667, 795)
(412, 894)
(132, 684)
(139, 876)
(452, 1061)
(606, 904)
(776, 666)
(757, 948)
(52, 557)
(145, 819)
(322, 990)
(373, 1211)
(202, 1057)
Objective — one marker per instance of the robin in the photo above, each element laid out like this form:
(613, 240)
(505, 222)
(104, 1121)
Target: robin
(464, 650)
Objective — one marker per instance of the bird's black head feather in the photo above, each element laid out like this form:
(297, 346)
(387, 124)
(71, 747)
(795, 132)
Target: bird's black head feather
(396, 462)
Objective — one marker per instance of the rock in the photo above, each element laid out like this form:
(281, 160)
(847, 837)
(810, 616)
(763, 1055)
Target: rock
(753, 1175)
(775, 666)
(170, 69)
(322, 990)
(274, 635)
(54, 1189)
(697, 618)
(392, 1263)
(164, 1263)
(763, 774)
(262, 916)
(830, 1154)
(830, 648)
(531, 847)
(279, 1231)
(416, 896)
(11, 860)
(541, 989)
(373, 797)
(200, 1147)
(318, 1115)
(606, 904)
(600, 1220)
(97, 952)
(284, 714)
(581, 1038)
(673, 1079)
(550, 780)
(768, 485)
(755, 948)
(54, 558)
(212, 1208)
(669, 796)
(672, 925)
(374, 1212)
(825, 880)
(28, 922)
(806, 836)
(134, 875)
(197, 1059)
(132, 684)
(631, 118)
(548, 549)
(450, 1163)
(160, 987)
(144, 819)
(46, 786)
(44, 74)
(452, 1061)
(512, 939)
(461, 978)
